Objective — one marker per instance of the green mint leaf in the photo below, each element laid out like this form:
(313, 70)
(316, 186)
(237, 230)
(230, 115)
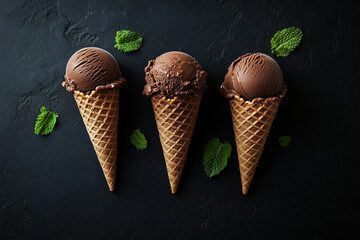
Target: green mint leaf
(45, 122)
(127, 41)
(285, 41)
(216, 156)
(138, 139)
(284, 141)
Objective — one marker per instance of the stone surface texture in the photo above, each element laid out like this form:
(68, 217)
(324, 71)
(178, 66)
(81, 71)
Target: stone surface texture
(52, 187)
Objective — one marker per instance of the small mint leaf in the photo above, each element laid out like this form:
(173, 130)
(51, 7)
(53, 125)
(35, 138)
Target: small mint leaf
(284, 141)
(127, 41)
(216, 156)
(138, 139)
(45, 122)
(285, 41)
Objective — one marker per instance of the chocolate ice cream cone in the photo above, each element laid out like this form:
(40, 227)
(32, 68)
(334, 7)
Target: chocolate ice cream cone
(100, 113)
(175, 82)
(254, 85)
(94, 78)
(175, 120)
(252, 121)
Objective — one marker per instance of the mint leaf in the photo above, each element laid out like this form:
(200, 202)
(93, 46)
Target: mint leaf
(215, 156)
(128, 41)
(45, 122)
(138, 139)
(285, 41)
(284, 141)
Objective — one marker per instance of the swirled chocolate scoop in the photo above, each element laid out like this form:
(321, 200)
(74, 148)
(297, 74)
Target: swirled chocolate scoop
(92, 69)
(253, 75)
(174, 74)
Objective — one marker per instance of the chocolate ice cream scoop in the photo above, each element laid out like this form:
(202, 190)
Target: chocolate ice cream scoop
(174, 74)
(253, 75)
(92, 69)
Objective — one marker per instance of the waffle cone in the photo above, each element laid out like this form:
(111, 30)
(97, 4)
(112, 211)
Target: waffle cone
(175, 120)
(100, 113)
(252, 122)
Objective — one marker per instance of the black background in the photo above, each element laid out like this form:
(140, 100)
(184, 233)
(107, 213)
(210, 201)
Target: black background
(52, 187)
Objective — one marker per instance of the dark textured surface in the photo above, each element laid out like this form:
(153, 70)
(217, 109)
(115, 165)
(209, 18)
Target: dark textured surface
(51, 187)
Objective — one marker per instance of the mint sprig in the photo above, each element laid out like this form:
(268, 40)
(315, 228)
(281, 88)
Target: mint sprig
(127, 41)
(216, 156)
(138, 139)
(284, 141)
(45, 122)
(285, 41)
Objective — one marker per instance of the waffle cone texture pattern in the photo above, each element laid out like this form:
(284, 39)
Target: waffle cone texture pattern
(252, 122)
(175, 120)
(100, 113)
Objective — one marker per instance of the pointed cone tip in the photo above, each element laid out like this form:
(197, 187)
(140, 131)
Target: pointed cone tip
(245, 187)
(173, 189)
(111, 186)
